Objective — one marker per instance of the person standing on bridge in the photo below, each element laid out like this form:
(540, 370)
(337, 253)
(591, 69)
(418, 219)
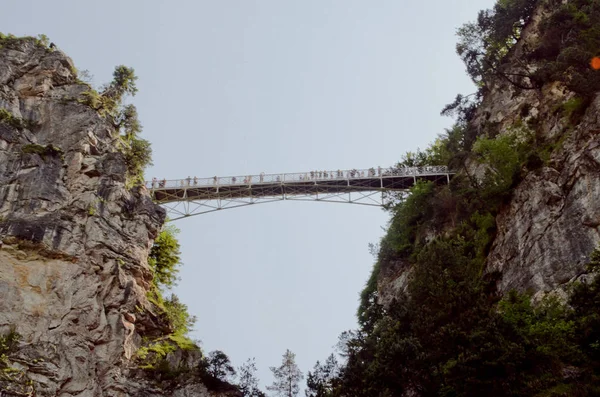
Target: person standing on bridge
(262, 177)
(195, 180)
(189, 180)
(153, 182)
(215, 179)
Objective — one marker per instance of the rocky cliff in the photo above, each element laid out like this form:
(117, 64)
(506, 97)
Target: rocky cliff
(550, 224)
(75, 239)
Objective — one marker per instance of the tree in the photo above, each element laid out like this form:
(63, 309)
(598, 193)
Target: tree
(484, 44)
(109, 104)
(217, 365)
(109, 101)
(164, 257)
(138, 155)
(129, 123)
(321, 382)
(287, 376)
(248, 383)
(178, 315)
(123, 83)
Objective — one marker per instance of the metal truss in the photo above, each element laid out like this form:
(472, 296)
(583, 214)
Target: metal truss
(184, 208)
(193, 196)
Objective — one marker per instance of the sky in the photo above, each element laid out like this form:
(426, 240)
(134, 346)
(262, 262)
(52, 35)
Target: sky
(243, 87)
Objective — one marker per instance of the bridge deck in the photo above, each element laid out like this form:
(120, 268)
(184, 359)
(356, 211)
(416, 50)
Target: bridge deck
(193, 196)
(291, 188)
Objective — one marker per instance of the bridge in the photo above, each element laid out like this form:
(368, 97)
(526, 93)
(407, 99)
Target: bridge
(195, 196)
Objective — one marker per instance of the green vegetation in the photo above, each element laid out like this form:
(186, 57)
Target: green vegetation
(153, 355)
(248, 382)
(453, 336)
(12, 380)
(452, 333)
(8, 344)
(322, 381)
(109, 104)
(574, 109)
(8, 118)
(154, 352)
(287, 377)
(503, 157)
(12, 42)
(164, 256)
(43, 151)
(215, 371)
(484, 44)
(164, 260)
(217, 366)
(569, 39)
(91, 210)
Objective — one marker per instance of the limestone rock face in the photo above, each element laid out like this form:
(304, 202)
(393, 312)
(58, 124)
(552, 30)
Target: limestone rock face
(73, 269)
(551, 224)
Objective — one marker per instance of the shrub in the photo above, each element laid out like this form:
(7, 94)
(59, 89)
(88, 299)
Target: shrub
(569, 39)
(8, 344)
(9, 119)
(179, 317)
(108, 103)
(164, 258)
(503, 157)
(574, 109)
(43, 151)
(409, 216)
(138, 155)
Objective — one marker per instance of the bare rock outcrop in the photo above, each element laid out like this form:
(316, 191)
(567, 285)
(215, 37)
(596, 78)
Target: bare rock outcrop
(552, 223)
(75, 238)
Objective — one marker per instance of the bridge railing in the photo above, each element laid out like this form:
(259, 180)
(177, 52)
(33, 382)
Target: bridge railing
(312, 176)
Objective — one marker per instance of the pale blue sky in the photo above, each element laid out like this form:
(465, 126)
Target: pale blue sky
(243, 87)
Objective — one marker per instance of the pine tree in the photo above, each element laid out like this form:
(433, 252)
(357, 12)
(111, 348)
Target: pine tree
(217, 365)
(248, 382)
(287, 377)
(321, 382)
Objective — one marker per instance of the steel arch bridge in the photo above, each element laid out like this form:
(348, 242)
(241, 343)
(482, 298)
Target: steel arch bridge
(195, 196)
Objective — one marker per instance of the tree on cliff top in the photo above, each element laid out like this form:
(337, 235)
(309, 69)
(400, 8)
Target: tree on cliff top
(287, 376)
(248, 382)
(109, 104)
(483, 44)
